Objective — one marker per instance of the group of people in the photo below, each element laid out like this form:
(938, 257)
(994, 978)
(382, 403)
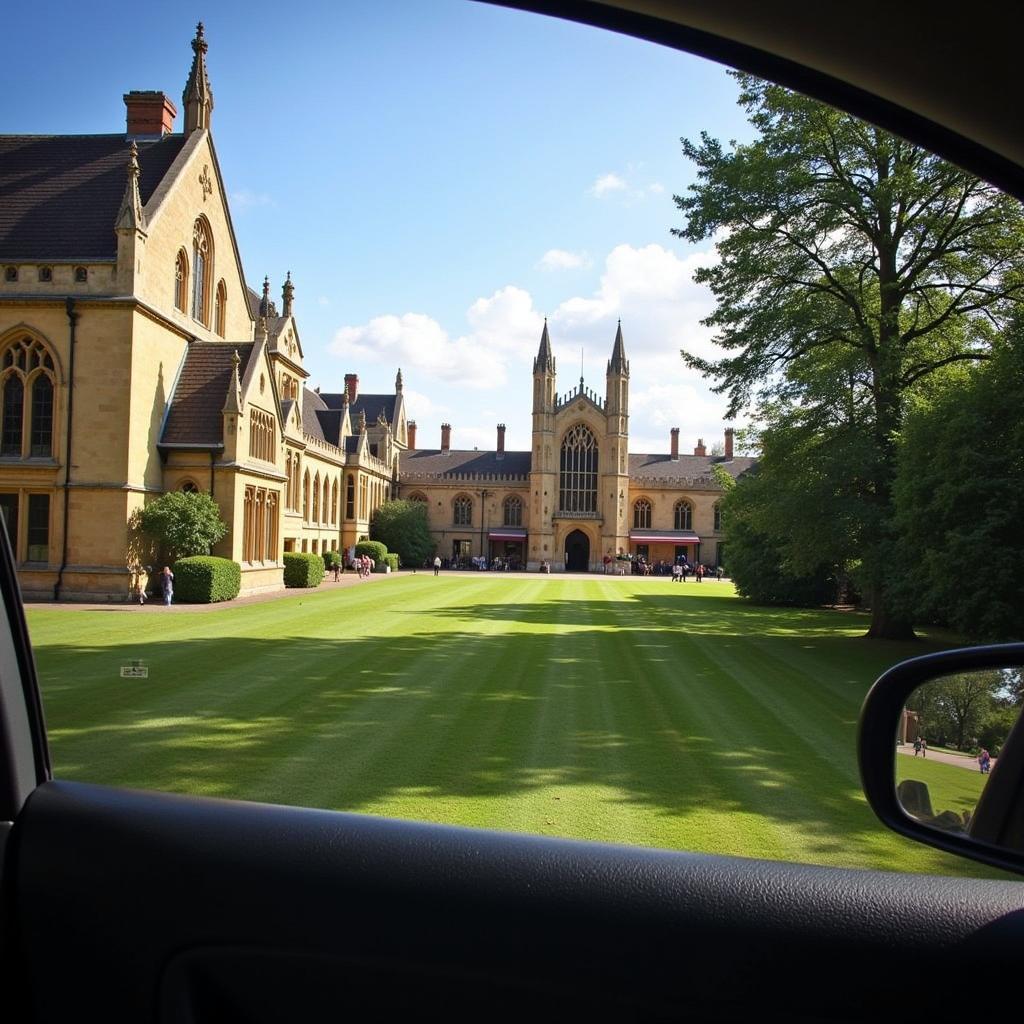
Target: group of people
(920, 746)
(165, 583)
(363, 565)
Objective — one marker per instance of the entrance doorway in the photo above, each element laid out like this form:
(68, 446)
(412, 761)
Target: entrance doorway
(577, 552)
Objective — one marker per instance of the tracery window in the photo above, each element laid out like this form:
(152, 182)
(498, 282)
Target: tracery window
(513, 511)
(683, 515)
(642, 514)
(26, 427)
(259, 525)
(418, 496)
(462, 509)
(577, 486)
(350, 497)
(202, 270)
(316, 498)
(181, 281)
(220, 308)
(261, 435)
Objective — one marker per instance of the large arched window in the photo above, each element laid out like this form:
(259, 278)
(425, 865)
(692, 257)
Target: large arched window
(513, 507)
(202, 270)
(577, 486)
(418, 496)
(642, 514)
(27, 380)
(305, 496)
(684, 515)
(181, 281)
(316, 498)
(220, 307)
(462, 511)
(350, 497)
(325, 505)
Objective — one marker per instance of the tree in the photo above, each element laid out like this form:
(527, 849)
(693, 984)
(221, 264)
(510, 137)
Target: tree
(183, 523)
(952, 710)
(837, 238)
(402, 527)
(960, 500)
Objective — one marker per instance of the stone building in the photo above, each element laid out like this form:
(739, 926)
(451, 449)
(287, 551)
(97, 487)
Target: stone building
(578, 495)
(135, 360)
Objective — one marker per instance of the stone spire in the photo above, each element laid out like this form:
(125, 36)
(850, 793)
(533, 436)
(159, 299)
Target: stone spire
(362, 421)
(198, 96)
(265, 301)
(233, 401)
(544, 360)
(618, 362)
(130, 217)
(287, 295)
(398, 382)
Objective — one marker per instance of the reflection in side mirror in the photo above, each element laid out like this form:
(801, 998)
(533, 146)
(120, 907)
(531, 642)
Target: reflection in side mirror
(952, 736)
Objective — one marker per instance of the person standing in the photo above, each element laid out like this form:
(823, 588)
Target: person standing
(437, 564)
(924, 747)
(917, 746)
(984, 761)
(167, 583)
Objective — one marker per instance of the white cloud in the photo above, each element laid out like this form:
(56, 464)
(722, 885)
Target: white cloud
(562, 259)
(323, 301)
(246, 199)
(656, 188)
(607, 184)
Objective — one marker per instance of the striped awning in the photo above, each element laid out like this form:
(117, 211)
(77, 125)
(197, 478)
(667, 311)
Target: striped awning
(663, 537)
(507, 533)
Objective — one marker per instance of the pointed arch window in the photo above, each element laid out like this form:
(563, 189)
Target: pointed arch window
(334, 503)
(202, 270)
(220, 306)
(642, 514)
(27, 382)
(513, 511)
(326, 503)
(462, 509)
(305, 496)
(577, 486)
(316, 498)
(181, 281)
(41, 440)
(683, 515)
(14, 414)
(350, 497)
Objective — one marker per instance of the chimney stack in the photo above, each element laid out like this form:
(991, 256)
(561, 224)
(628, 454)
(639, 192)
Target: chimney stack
(411, 431)
(728, 441)
(501, 440)
(675, 444)
(700, 449)
(352, 386)
(446, 436)
(151, 114)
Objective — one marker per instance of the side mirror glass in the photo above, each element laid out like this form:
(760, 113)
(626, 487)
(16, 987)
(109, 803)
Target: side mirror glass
(942, 752)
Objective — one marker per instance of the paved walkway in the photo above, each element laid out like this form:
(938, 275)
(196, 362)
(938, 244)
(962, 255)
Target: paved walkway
(960, 760)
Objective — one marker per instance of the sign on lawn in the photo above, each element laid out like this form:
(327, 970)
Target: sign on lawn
(136, 670)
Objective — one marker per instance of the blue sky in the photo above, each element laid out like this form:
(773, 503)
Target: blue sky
(437, 175)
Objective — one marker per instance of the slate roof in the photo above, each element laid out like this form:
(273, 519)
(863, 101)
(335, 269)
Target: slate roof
(319, 420)
(255, 298)
(372, 405)
(195, 413)
(686, 467)
(452, 463)
(59, 194)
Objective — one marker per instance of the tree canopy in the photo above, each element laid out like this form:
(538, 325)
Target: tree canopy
(184, 523)
(852, 266)
(402, 527)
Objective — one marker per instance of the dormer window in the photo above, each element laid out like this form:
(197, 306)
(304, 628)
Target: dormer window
(10, 274)
(81, 275)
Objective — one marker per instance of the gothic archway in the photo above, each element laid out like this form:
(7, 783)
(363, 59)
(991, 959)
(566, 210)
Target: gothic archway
(577, 552)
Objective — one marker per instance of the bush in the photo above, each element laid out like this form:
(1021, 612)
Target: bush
(303, 569)
(373, 548)
(403, 527)
(389, 559)
(184, 523)
(331, 559)
(203, 579)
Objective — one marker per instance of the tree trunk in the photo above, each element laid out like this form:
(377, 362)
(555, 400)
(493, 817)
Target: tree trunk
(885, 625)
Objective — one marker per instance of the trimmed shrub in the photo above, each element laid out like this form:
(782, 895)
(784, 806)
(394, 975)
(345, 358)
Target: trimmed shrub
(204, 579)
(303, 569)
(389, 559)
(331, 559)
(373, 548)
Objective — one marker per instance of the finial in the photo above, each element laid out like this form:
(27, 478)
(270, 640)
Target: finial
(198, 96)
(398, 382)
(130, 216)
(199, 43)
(265, 301)
(288, 294)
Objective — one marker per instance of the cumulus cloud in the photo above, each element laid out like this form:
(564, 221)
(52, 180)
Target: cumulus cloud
(628, 186)
(247, 199)
(607, 184)
(561, 259)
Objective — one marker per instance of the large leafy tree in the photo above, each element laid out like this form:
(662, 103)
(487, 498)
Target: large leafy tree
(835, 237)
(184, 523)
(402, 526)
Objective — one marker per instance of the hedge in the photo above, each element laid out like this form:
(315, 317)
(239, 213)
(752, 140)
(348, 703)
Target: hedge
(389, 559)
(303, 569)
(203, 579)
(373, 548)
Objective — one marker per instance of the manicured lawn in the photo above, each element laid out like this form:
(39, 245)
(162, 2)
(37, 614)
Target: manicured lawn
(950, 787)
(627, 710)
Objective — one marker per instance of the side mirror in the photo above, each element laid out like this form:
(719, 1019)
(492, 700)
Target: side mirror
(941, 751)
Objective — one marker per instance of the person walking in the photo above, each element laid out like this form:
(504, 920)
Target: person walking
(917, 746)
(924, 747)
(984, 761)
(437, 564)
(167, 583)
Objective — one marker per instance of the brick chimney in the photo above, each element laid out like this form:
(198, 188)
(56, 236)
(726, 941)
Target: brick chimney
(446, 436)
(675, 444)
(352, 386)
(150, 113)
(501, 440)
(728, 441)
(700, 449)
(410, 429)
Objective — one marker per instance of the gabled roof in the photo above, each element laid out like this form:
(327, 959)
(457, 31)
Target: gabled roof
(462, 463)
(59, 194)
(686, 467)
(194, 416)
(371, 405)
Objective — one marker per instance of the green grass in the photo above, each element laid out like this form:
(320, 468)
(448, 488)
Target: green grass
(624, 710)
(950, 787)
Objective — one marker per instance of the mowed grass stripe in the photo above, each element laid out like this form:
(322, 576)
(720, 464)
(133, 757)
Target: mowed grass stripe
(618, 709)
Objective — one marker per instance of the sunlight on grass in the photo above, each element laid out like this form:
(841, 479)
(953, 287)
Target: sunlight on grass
(615, 709)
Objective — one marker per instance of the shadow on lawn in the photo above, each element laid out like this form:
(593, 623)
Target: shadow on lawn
(347, 722)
